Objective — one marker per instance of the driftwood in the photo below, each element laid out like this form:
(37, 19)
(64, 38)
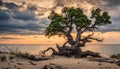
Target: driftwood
(70, 51)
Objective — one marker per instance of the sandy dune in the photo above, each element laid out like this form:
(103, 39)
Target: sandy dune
(67, 63)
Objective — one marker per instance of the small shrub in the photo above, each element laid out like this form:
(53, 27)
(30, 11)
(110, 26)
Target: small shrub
(1, 52)
(3, 58)
(25, 55)
(14, 52)
(32, 57)
(17, 54)
(22, 55)
(117, 56)
(11, 57)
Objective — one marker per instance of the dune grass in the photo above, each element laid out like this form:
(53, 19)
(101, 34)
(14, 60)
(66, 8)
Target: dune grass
(14, 52)
(3, 58)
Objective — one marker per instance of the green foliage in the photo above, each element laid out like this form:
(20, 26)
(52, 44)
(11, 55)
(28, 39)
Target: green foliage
(116, 56)
(100, 18)
(58, 24)
(75, 18)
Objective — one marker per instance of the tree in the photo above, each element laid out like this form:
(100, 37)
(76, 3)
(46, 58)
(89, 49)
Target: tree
(74, 19)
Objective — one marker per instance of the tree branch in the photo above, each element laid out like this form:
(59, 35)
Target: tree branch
(86, 39)
(100, 40)
(89, 38)
(78, 34)
(65, 43)
(70, 39)
(50, 48)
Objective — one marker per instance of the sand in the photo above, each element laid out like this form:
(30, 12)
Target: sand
(69, 63)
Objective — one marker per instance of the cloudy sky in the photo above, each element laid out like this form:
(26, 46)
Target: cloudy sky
(24, 21)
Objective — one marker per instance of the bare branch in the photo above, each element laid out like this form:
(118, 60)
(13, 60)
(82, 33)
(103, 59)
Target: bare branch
(100, 40)
(65, 43)
(43, 52)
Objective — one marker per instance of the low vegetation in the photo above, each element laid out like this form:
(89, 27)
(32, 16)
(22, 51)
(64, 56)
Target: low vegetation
(3, 58)
(116, 56)
(14, 52)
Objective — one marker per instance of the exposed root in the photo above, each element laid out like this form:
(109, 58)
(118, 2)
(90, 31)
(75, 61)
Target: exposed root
(50, 48)
(70, 51)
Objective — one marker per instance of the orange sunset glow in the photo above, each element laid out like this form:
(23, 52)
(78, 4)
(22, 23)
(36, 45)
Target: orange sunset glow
(42, 39)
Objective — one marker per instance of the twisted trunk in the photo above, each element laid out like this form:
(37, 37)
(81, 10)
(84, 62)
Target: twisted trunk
(70, 39)
(74, 49)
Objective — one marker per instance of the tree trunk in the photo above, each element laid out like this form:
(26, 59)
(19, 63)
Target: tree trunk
(70, 39)
(73, 50)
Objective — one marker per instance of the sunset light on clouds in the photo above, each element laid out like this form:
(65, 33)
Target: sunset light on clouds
(24, 21)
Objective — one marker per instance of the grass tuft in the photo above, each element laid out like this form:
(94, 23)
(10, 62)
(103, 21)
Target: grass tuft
(3, 58)
(14, 52)
(11, 57)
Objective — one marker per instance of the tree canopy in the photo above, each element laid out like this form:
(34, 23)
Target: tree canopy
(74, 18)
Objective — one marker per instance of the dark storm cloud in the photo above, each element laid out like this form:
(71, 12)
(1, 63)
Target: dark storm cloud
(113, 7)
(4, 16)
(22, 27)
(32, 7)
(58, 3)
(115, 26)
(113, 2)
(14, 27)
(103, 4)
(13, 21)
(1, 3)
(10, 5)
(24, 15)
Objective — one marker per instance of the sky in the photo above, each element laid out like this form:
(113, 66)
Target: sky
(24, 21)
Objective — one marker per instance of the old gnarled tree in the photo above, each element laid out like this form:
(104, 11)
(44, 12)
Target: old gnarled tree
(74, 19)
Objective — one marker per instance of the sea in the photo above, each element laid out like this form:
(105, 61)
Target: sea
(104, 49)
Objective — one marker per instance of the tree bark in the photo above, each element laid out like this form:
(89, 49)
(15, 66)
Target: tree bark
(70, 39)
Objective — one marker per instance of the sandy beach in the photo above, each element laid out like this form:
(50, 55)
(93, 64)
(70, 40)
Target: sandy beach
(60, 62)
